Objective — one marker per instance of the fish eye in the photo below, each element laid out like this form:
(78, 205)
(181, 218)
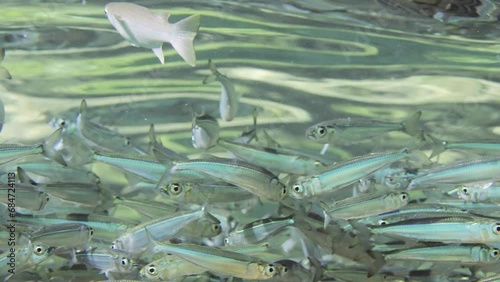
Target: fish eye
(152, 270)
(113, 246)
(216, 228)
(127, 141)
(494, 253)
(175, 189)
(382, 222)
(298, 188)
(284, 270)
(40, 250)
(496, 229)
(226, 241)
(91, 231)
(404, 196)
(321, 131)
(124, 261)
(270, 270)
(465, 190)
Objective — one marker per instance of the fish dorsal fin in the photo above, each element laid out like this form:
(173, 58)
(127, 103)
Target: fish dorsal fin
(159, 53)
(163, 17)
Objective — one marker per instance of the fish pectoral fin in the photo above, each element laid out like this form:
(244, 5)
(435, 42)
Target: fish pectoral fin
(209, 79)
(159, 53)
(124, 27)
(183, 36)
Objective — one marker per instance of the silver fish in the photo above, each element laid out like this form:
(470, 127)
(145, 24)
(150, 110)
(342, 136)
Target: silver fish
(229, 98)
(143, 28)
(355, 129)
(205, 131)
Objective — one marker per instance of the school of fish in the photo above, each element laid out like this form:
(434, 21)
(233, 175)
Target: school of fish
(260, 211)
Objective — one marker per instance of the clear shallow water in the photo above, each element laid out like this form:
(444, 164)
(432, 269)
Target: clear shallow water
(361, 61)
(298, 62)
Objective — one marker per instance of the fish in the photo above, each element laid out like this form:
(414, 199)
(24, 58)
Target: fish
(72, 235)
(10, 152)
(341, 174)
(144, 28)
(479, 193)
(440, 146)
(366, 205)
(278, 160)
(220, 261)
(229, 98)
(254, 179)
(444, 230)
(469, 255)
(258, 231)
(479, 170)
(356, 129)
(4, 73)
(205, 131)
(135, 240)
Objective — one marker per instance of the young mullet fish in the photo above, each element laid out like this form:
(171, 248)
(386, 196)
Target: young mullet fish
(471, 255)
(475, 171)
(220, 261)
(342, 174)
(205, 131)
(143, 28)
(229, 99)
(479, 193)
(254, 179)
(273, 159)
(355, 129)
(445, 230)
(441, 146)
(365, 205)
(135, 240)
(9, 152)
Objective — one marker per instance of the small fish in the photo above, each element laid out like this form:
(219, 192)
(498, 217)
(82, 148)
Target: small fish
(9, 152)
(278, 160)
(470, 255)
(366, 205)
(355, 129)
(72, 235)
(4, 73)
(479, 193)
(480, 170)
(135, 240)
(229, 98)
(342, 174)
(205, 131)
(220, 261)
(143, 28)
(441, 146)
(444, 230)
(254, 179)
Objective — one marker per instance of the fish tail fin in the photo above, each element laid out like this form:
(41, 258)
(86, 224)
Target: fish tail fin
(410, 125)
(49, 147)
(211, 77)
(438, 146)
(182, 39)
